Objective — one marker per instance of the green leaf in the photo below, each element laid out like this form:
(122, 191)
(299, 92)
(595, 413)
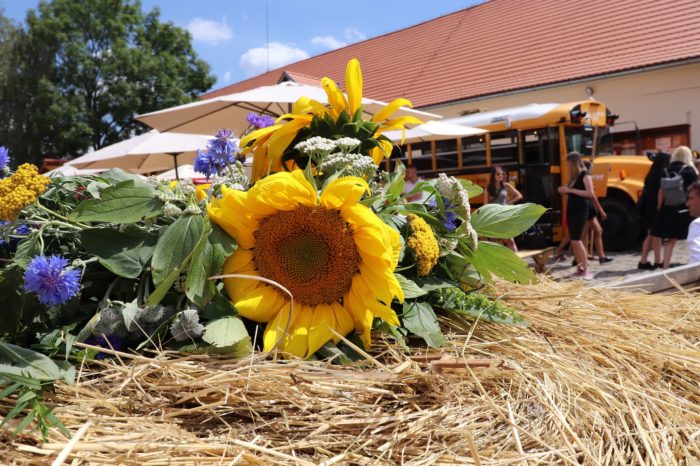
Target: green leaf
(28, 363)
(126, 202)
(219, 307)
(225, 332)
(505, 221)
(492, 258)
(475, 306)
(472, 189)
(27, 249)
(208, 258)
(420, 319)
(410, 288)
(129, 312)
(11, 299)
(125, 253)
(175, 245)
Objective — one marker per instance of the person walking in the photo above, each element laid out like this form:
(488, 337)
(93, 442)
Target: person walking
(648, 207)
(673, 219)
(411, 179)
(578, 191)
(499, 191)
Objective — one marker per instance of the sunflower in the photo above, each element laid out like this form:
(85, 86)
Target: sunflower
(334, 255)
(268, 145)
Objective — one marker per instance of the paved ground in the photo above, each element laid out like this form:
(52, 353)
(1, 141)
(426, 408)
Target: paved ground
(624, 265)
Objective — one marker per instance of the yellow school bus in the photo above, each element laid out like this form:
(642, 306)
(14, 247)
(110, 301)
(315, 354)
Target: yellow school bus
(531, 143)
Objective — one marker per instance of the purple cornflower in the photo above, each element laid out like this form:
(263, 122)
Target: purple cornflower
(260, 121)
(223, 144)
(51, 279)
(4, 157)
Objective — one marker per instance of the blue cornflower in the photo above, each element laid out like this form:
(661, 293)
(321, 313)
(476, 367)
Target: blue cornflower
(203, 163)
(260, 121)
(449, 217)
(22, 230)
(19, 230)
(112, 342)
(4, 157)
(51, 279)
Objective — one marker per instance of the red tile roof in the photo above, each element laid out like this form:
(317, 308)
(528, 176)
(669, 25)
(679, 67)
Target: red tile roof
(504, 45)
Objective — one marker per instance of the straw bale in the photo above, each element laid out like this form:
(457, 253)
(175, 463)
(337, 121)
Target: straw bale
(598, 377)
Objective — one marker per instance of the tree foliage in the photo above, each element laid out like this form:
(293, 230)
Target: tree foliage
(82, 69)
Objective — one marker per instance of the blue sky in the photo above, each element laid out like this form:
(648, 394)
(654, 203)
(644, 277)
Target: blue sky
(231, 35)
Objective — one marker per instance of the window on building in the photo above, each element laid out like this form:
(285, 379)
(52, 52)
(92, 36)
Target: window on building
(421, 156)
(446, 154)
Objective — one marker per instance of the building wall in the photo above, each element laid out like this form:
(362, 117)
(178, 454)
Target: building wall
(658, 98)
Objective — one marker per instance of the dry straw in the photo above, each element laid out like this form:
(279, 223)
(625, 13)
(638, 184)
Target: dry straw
(598, 377)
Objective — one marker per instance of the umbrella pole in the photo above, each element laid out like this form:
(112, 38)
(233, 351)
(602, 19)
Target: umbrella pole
(177, 175)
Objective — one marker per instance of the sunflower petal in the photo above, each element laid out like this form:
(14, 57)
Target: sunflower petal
(298, 341)
(257, 135)
(353, 85)
(383, 150)
(343, 321)
(239, 226)
(336, 99)
(260, 303)
(390, 109)
(281, 139)
(283, 191)
(319, 330)
(342, 192)
(275, 329)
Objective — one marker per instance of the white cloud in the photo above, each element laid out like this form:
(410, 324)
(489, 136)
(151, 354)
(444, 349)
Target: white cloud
(209, 31)
(255, 61)
(328, 42)
(227, 77)
(354, 35)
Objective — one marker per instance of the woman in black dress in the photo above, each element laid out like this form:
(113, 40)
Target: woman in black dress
(579, 190)
(649, 207)
(672, 221)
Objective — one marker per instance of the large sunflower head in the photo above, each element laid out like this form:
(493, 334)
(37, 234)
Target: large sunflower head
(273, 147)
(334, 255)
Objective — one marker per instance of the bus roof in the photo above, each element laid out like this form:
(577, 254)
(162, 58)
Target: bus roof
(533, 114)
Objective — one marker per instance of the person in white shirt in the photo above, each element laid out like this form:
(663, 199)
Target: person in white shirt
(693, 205)
(411, 179)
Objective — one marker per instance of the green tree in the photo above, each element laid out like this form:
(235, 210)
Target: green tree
(81, 71)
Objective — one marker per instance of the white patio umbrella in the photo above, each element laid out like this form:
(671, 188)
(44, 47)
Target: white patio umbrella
(67, 170)
(230, 111)
(434, 131)
(149, 152)
(183, 172)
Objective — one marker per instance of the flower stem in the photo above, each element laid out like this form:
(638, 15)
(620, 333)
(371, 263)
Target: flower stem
(57, 215)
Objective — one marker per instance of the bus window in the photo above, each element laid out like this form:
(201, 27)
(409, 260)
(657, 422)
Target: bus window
(504, 148)
(579, 139)
(422, 156)
(474, 151)
(541, 146)
(446, 154)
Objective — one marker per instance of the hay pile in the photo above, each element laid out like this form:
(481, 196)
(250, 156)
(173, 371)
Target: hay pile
(598, 377)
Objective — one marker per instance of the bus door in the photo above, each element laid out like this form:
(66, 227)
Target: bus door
(540, 172)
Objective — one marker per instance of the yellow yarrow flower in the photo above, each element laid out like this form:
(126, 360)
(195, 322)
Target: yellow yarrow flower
(422, 242)
(20, 190)
(333, 254)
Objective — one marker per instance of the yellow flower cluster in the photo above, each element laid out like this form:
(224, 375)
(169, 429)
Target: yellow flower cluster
(422, 242)
(20, 190)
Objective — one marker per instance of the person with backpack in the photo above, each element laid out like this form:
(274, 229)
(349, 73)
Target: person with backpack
(673, 219)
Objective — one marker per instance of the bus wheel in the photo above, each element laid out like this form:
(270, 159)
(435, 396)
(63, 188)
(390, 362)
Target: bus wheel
(621, 228)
